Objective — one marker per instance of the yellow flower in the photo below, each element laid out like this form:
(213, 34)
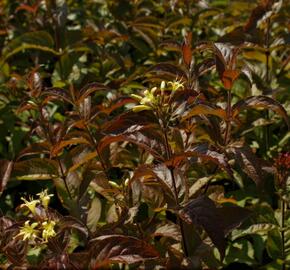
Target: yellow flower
(28, 231)
(45, 198)
(31, 205)
(48, 230)
(147, 102)
(175, 85)
(162, 85)
(149, 97)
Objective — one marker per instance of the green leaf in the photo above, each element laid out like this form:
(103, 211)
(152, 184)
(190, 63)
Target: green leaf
(274, 244)
(38, 40)
(198, 184)
(260, 229)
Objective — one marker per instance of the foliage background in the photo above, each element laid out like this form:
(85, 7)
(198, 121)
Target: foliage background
(67, 72)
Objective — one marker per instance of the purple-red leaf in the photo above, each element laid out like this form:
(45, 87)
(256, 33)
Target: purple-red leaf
(228, 78)
(186, 50)
(89, 89)
(5, 172)
(164, 176)
(202, 151)
(249, 163)
(169, 69)
(146, 137)
(121, 249)
(58, 93)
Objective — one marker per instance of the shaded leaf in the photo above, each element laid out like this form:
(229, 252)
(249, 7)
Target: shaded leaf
(203, 212)
(233, 217)
(37, 40)
(257, 14)
(168, 68)
(89, 89)
(263, 102)
(274, 244)
(127, 123)
(58, 93)
(35, 169)
(69, 222)
(216, 221)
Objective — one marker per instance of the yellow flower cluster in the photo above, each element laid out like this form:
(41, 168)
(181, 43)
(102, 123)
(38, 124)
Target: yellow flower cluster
(151, 99)
(43, 198)
(37, 230)
(32, 231)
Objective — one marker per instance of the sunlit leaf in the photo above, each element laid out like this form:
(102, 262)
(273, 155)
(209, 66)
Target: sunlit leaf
(62, 144)
(94, 214)
(260, 229)
(186, 50)
(206, 109)
(229, 77)
(84, 160)
(169, 230)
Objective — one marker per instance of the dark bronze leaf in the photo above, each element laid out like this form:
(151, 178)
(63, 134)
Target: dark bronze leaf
(217, 222)
(263, 102)
(257, 14)
(250, 164)
(202, 151)
(121, 249)
(168, 68)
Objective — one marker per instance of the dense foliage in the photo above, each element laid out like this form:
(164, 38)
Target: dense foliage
(144, 134)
